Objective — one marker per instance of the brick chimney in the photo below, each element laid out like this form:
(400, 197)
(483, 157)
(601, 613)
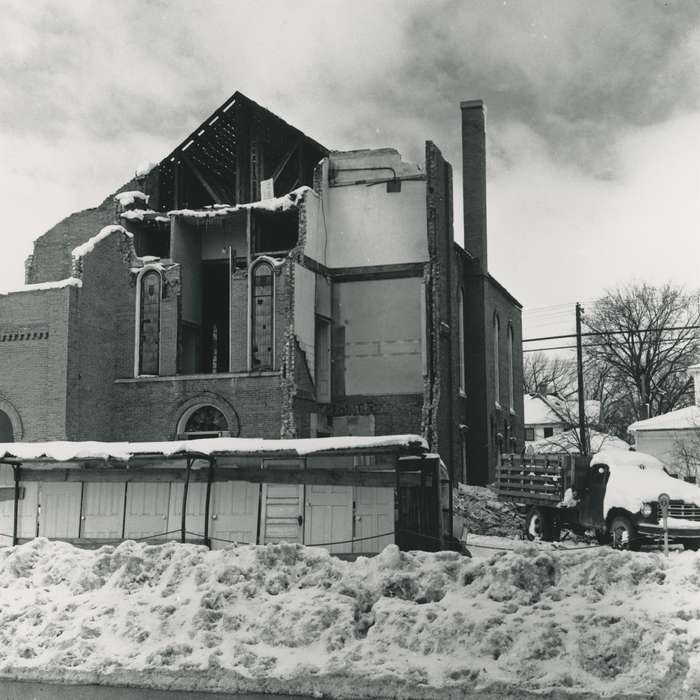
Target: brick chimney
(474, 180)
(694, 372)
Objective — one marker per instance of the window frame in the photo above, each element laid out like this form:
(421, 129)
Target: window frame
(497, 358)
(262, 260)
(137, 318)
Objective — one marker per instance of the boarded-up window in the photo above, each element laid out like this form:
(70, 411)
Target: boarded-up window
(149, 330)
(262, 320)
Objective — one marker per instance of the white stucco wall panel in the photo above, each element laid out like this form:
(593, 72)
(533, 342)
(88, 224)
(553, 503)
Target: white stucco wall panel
(369, 226)
(382, 349)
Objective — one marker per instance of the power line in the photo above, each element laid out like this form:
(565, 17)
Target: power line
(597, 345)
(609, 333)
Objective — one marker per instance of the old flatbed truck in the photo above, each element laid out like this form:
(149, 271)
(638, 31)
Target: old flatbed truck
(614, 494)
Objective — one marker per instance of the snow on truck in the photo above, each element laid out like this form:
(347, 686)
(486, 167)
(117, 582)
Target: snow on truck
(615, 494)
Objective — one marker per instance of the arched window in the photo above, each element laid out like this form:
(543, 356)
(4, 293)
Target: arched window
(262, 317)
(149, 322)
(6, 431)
(206, 419)
(462, 350)
(496, 358)
(511, 396)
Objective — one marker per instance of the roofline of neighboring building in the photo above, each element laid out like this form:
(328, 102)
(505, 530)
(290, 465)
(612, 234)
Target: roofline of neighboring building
(503, 289)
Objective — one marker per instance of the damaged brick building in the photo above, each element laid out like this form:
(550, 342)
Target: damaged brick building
(254, 283)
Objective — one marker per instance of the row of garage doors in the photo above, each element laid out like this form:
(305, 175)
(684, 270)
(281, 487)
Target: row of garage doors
(239, 511)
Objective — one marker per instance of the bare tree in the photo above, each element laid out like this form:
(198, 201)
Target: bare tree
(647, 342)
(557, 373)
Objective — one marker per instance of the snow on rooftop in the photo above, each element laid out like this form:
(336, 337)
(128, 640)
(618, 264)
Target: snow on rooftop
(144, 168)
(64, 451)
(141, 214)
(567, 442)
(535, 621)
(288, 201)
(687, 418)
(90, 244)
(127, 198)
(537, 411)
(43, 286)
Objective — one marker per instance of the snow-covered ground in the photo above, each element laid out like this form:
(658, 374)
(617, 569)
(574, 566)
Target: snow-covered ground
(284, 618)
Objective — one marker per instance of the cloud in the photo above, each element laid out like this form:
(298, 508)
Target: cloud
(582, 99)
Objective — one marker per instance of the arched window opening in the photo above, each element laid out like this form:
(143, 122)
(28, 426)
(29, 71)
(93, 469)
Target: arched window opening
(6, 431)
(511, 358)
(262, 321)
(149, 322)
(462, 350)
(496, 358)
(206, 421)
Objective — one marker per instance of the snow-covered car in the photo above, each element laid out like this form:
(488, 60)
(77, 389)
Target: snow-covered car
(615, 493)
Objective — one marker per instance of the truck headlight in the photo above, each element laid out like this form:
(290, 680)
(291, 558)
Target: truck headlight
(646, 510)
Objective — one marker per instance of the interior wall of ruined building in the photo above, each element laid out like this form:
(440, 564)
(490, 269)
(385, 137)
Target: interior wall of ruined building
(366, 243)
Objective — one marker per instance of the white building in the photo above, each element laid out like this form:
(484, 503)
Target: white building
(674, 437)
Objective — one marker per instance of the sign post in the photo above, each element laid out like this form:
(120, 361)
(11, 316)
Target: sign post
(664, 501)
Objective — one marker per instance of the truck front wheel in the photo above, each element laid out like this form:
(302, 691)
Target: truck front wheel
(623, 534)
(541, 525)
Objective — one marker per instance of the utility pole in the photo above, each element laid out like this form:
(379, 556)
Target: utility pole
(583, 436)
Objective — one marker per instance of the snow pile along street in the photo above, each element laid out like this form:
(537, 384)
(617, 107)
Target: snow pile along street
(284, 618)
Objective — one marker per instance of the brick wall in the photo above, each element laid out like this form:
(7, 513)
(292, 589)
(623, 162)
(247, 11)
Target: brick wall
(100, 336)
(149, 409)
(51, 258)
(33, 360)
(393, 413)
(485, 419)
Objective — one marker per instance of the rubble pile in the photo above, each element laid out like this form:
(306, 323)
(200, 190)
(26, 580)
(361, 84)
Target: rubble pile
(484, 514)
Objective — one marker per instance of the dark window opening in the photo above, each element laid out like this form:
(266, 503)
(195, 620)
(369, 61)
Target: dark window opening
(548, 432)
(275, 232)
(215, 317)
(262, 316)
(152, 238)
(529, 434)
(6, 432)
(149, 331)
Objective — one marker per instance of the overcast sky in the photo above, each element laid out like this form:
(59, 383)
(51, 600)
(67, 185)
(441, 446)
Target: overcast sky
(593, 114)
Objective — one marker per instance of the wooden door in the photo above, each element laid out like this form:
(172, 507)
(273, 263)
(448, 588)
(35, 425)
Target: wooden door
(328, 517)
(282, 516)
(26, 512)
(196, 505)
(147, 507)
(234, 513)
(374, 515)
(103, 510)
(59, 515)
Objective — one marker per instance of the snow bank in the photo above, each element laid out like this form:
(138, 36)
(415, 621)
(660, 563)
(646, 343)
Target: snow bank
(284, 618)
(64, 451)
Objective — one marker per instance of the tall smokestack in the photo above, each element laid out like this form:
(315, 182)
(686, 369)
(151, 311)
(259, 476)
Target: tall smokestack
(474, 180)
